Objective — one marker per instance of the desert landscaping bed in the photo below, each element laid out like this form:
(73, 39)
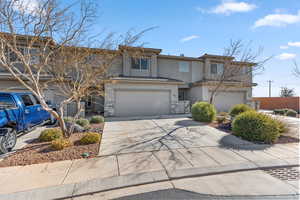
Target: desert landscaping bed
(41, 152)
(283, 139)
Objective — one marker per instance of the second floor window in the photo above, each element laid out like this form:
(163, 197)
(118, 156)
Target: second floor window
(183, 67)
(217, 68)
(140, 63)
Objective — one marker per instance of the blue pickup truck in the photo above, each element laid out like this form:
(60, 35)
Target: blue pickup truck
(19, 113)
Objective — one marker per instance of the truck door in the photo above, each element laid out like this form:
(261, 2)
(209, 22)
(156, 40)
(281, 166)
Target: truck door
(44, 115)
(31, 113)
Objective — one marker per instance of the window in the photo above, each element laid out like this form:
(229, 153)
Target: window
(217, 68)
(27, 100)
(183, 67)
(182, 96)
(140, 63)
(34, 59)
(6, 101)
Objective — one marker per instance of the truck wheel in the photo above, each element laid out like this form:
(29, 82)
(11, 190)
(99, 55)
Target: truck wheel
(8, 142)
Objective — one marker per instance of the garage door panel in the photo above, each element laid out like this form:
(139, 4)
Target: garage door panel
(141, 102)
(225, 100)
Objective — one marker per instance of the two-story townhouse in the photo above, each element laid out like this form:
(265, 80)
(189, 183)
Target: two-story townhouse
(149, 83)
(156, 84)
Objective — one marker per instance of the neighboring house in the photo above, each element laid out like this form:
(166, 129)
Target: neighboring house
(156, 84)
(272, 103)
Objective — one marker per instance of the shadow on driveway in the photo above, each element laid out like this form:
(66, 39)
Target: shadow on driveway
(178, 194)
(233, 142)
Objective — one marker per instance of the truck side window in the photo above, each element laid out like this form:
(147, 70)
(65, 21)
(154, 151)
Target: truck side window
(36, 100)
(26, 100)
(6, 100)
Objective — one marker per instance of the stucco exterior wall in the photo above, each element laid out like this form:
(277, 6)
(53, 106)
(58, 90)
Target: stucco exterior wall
(169, 68)
(117, 67)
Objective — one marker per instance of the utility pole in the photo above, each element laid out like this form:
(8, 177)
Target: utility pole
(270, 87)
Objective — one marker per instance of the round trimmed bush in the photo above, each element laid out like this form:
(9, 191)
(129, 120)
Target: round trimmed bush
(90, 138)
(238, 109)
(203, 112)
(50, 134)
(97, 119)
(61, 143)
(291, 113)
(83, 122)
(256, 127)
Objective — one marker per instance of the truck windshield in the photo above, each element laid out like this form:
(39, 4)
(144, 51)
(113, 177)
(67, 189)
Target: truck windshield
(6, 102)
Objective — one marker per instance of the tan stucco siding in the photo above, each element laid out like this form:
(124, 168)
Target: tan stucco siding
(197, 71)
(195, 94)
(169, 68)
(116, 68)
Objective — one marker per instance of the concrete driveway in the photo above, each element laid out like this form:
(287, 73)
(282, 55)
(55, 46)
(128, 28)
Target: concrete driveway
(180, 143)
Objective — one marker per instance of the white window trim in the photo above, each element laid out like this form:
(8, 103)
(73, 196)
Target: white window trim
(140, 66)
(186, 66)
(220, 70)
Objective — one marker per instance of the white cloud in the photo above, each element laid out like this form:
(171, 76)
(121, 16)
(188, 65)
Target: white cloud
(283, 47)
(228, 7)
(192, 37)
(277, 20)
(294, 44)
(286, 56)
(27, 6)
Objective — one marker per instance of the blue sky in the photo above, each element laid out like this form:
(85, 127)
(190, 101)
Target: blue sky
(195, 27)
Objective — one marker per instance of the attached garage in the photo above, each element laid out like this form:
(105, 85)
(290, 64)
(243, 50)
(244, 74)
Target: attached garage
(225, 100)
(142, 102)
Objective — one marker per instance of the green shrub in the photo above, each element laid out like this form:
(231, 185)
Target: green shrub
(278, 112)
(68, 119)
(97, 119)
(291, 113)
(203, 112)
(282, 126)
(90, 138)
(83, 122)
(257, 127)
(220, 119)
(238, 109)
(50, 134)
(61, 143)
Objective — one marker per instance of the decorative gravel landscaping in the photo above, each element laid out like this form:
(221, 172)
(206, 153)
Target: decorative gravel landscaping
(41, 152)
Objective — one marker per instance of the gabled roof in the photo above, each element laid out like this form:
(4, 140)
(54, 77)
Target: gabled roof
(143, 49)
(217, 56)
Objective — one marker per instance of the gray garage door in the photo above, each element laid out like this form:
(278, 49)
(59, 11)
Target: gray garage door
(142, 103)
(225, 100)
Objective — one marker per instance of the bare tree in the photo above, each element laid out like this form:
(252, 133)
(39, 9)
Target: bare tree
(248, 63)
(47, 45)
(296, 70)
(286, 92)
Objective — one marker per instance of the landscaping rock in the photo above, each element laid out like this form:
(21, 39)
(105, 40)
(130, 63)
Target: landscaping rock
(77, 128)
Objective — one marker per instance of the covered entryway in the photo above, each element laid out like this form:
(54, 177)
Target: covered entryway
(225, 100)
(142, 102)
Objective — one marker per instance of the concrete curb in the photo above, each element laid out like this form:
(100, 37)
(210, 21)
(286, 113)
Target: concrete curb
(118, 182)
